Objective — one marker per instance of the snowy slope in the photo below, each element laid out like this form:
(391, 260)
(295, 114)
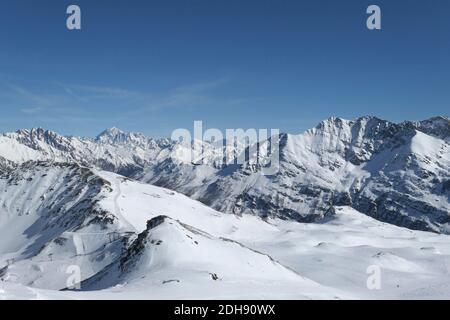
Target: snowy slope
(50, 219)
(407, 185)
(56, 216)
(137, 241)
(14, 151)
(335, 253)
(177, 256)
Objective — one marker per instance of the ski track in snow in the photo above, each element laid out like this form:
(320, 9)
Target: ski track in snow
(79, 244)
(117, 207)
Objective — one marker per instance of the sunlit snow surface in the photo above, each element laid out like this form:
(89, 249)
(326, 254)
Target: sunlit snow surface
(199, 253)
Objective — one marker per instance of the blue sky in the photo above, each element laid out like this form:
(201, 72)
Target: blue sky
(153, 66)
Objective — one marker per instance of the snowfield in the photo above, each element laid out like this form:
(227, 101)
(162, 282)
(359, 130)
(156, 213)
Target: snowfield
(132, 240)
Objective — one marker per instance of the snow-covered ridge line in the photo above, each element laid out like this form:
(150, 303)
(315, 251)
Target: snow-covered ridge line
(129, 153)
(116, 135)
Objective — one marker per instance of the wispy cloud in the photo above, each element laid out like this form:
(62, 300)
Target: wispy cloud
(63, 95)
(72, 103)
(27, 95)
(189, 95)
(197, 94)
(87, 93)
(34, 110)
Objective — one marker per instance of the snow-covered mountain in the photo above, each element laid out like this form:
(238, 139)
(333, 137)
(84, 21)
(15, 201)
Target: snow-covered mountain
(112, 150)
(55, 216)
(132, 240)
(397, 173)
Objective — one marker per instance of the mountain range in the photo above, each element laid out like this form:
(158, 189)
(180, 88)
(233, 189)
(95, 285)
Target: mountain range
(142, 220)
(396, 173)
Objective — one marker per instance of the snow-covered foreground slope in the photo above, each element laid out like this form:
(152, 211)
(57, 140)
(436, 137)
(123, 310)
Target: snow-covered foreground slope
(136, 241)
(179, 261)
(50, 218)
(55, 217)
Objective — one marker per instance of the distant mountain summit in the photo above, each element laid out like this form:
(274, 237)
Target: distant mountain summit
(115, 136)
(112, 135)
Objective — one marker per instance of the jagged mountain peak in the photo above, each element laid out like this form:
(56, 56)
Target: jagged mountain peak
(331, 121)
(113, 131)
(438, 126)
(40, 139)
(115, 135)
(362, 123)
(35, 132)
(437, 120)
(338, 120)
(112, 135)
(339, 135)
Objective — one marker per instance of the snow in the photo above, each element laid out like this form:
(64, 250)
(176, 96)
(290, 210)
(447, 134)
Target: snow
(252, 258)
(16, 152)
(424, 145)
(403, 168)
(133, 240)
